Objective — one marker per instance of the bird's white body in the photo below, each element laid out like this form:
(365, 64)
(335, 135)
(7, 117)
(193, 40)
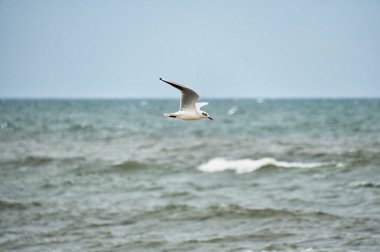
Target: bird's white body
(189, 109)
(186, 115)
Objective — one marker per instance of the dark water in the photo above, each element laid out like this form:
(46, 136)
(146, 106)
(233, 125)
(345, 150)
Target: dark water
(114, 175)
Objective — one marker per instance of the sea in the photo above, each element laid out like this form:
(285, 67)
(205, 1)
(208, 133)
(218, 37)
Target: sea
(264, 175)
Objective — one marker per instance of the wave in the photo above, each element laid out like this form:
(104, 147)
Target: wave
(128, 165)
(99, 166)
(81, 127)
(365, 184)
(27, 161)
(38, 160)
(10, 204)
(232, 110)
(192, 212)
(250, 165)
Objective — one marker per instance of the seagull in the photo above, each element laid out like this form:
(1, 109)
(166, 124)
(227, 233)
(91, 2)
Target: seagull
(189, 109)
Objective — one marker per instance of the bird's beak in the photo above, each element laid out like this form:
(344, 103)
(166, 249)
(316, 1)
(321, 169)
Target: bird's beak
(210, 118)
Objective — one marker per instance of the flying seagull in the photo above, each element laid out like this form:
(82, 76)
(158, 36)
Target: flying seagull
(189, 109)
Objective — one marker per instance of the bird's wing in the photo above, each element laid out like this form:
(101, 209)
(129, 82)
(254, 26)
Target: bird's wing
(189, 96)
(198, 105)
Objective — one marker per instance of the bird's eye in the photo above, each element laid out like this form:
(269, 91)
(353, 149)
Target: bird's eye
(204, 114)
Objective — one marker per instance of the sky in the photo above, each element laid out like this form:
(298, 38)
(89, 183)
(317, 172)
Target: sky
(220, 48)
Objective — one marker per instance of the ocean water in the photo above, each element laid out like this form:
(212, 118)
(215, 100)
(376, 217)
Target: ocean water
(115, 175)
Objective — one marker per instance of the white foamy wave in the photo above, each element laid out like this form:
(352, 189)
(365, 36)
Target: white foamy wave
(250, 165)
(232, 110)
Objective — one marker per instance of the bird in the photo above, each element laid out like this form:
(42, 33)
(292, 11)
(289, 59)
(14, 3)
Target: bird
(189, 109)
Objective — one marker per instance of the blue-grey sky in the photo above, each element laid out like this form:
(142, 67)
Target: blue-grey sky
(220, 48)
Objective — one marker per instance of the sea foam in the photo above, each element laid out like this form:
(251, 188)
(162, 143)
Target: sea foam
(249, 165)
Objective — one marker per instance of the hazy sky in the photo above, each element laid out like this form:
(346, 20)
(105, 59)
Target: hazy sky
(235, 48)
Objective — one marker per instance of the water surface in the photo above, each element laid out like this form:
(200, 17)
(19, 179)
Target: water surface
(115, 175)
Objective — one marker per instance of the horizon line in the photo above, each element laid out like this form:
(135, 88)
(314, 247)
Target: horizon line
(205, 98)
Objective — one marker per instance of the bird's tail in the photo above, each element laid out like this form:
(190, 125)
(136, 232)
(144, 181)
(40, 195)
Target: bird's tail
(170, 115)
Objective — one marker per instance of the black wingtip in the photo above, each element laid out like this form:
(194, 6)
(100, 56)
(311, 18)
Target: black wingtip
(161, 79)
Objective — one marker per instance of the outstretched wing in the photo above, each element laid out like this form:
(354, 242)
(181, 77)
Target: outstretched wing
(189, 96)
(198, 105)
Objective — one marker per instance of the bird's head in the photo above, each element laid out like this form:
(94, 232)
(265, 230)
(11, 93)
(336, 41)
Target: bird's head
(205, 115)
